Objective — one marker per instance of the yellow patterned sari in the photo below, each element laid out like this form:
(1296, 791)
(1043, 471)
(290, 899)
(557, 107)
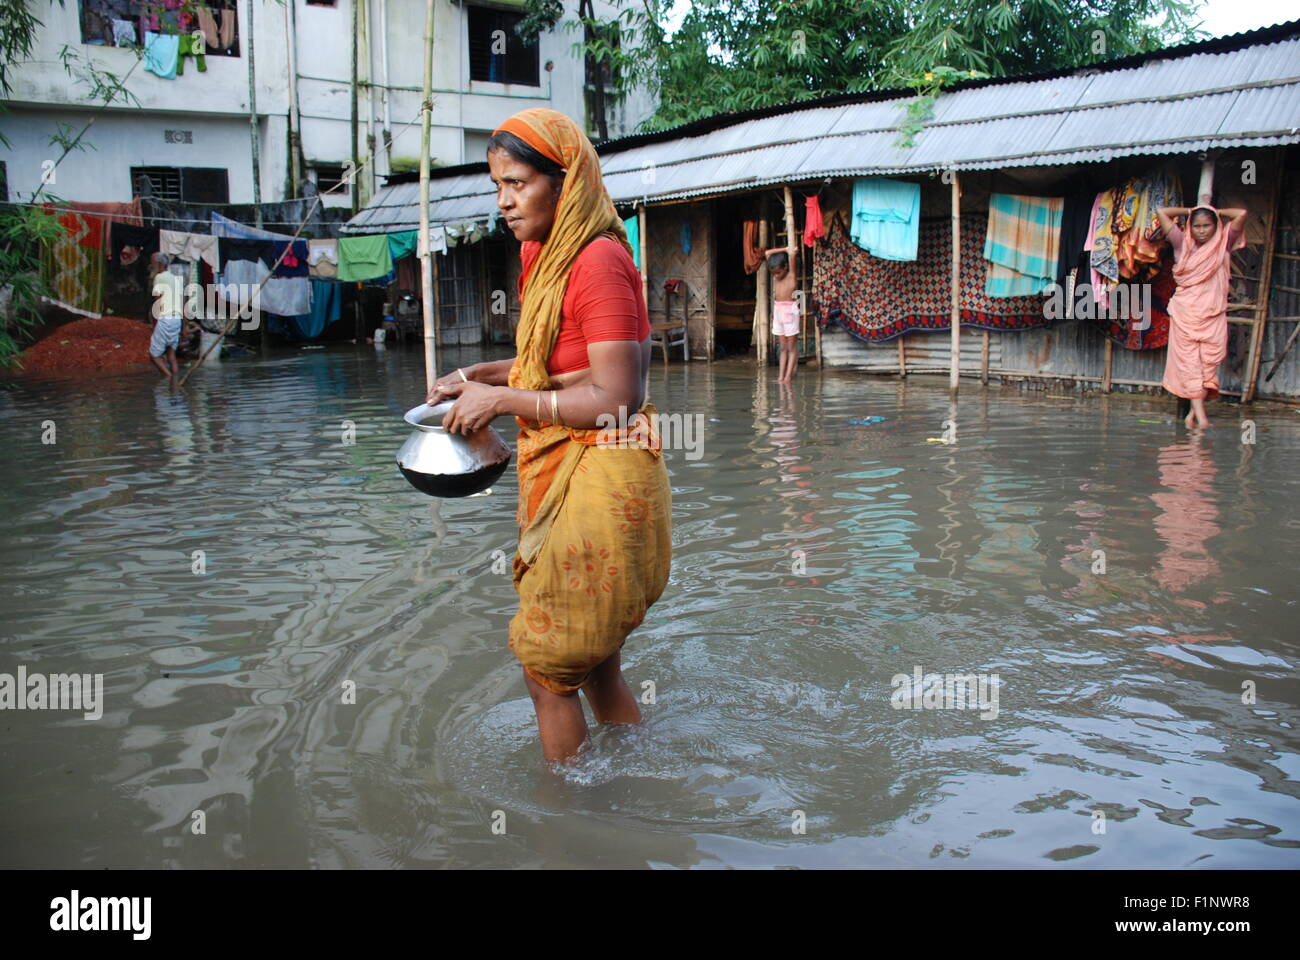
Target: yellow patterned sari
(595, 507)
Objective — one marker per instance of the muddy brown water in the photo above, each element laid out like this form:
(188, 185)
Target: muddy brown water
(304, 648)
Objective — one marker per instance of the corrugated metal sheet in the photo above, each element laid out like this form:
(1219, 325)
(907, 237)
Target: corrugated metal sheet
(1182, 104)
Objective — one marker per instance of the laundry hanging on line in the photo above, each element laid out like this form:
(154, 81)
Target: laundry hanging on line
(1022, 244)
(813, 225)
(886, 217)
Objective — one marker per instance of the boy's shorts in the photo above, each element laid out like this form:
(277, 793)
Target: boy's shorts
(166, 333)
(785, 318)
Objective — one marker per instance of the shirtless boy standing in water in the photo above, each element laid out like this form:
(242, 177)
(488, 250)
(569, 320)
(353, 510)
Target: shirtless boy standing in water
(785, 315)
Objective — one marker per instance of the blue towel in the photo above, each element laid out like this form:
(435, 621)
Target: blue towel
(161, 53)
(632, 226)
(326, 307)
(886, 219)
(686, 237)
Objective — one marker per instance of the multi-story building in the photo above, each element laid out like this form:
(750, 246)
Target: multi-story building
(296, 90)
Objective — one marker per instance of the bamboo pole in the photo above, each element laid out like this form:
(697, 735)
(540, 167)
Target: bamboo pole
(1107, 366)
(762, 330)
(295, 115)
(791, 252)
(252, 124)
(641, 225)
(1262, 295)
(954, 373)
(356, 159)
(428, 288)
(817, 327)
(902, 357)
(984, 359)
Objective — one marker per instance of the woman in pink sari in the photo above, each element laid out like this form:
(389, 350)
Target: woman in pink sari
(1198, 310)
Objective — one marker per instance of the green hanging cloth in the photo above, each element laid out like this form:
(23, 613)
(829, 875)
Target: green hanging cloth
(191, 44)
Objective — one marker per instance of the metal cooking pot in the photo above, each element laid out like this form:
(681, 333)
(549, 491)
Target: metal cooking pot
(444, 464)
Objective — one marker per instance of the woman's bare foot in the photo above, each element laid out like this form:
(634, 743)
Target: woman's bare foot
(1189, 420)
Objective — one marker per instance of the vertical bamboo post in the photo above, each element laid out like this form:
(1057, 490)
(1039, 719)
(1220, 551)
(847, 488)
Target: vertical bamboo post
(645, 264)
(295, 115)
(428, 288)
(1262, 295)
(954, 372)
(791, 251)
(356, 159)
(1108, 366)
(252, 124)
(984, 359)
(761, 327)
(1205, 189)
(902, 357)
(817, 327)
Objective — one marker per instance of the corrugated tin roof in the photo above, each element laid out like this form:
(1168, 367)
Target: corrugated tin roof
(1187, 103)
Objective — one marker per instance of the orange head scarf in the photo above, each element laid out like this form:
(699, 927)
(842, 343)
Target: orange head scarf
(584, 211)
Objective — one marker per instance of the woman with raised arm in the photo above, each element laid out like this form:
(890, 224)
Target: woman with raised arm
(594, 500)
(1198, 317)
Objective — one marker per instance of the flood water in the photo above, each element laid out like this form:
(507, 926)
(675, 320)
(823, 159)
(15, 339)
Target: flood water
(332, 688)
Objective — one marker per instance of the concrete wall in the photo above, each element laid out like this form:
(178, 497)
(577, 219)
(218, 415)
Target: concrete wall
(214, 104)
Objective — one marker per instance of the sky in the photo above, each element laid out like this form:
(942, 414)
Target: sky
(1220, 17)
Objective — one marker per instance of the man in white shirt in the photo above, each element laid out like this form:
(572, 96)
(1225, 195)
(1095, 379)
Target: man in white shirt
(168, 292)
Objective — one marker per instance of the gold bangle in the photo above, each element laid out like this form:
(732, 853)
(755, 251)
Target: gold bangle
(537, 407)
(462, 375)
(555, 407)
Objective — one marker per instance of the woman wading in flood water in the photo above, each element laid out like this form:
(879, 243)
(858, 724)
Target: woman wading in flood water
(594, 504)
(1198, 310)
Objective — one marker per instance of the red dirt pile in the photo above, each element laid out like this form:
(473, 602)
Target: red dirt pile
(89, 344)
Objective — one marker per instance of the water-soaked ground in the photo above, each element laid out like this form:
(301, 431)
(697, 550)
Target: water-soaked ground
(1125, 597)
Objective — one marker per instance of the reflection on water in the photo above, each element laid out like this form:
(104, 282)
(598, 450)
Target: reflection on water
(299, 645)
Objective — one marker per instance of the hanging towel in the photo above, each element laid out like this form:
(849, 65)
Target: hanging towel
(632, 227)
(323, 259)
(886, 217)
(287, 297)
(749, 249)
(326, 307)
(161, 51)
(191, 45)
(438, 239)
(189, 246)
(1022, 245)
(363, 258)
(813, 225)
(402, 244)
(294, 263)
(208, 27)
(686, 237)
(124, 33)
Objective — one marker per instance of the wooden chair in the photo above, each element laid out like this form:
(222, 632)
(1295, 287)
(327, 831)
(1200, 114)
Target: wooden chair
(665, 334)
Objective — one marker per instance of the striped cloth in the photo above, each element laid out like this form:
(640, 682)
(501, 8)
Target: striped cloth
(1022, 244)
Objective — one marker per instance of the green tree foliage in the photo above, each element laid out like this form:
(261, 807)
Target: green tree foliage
(731, 55)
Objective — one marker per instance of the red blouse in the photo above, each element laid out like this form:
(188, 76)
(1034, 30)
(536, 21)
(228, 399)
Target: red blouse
(602, 301)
